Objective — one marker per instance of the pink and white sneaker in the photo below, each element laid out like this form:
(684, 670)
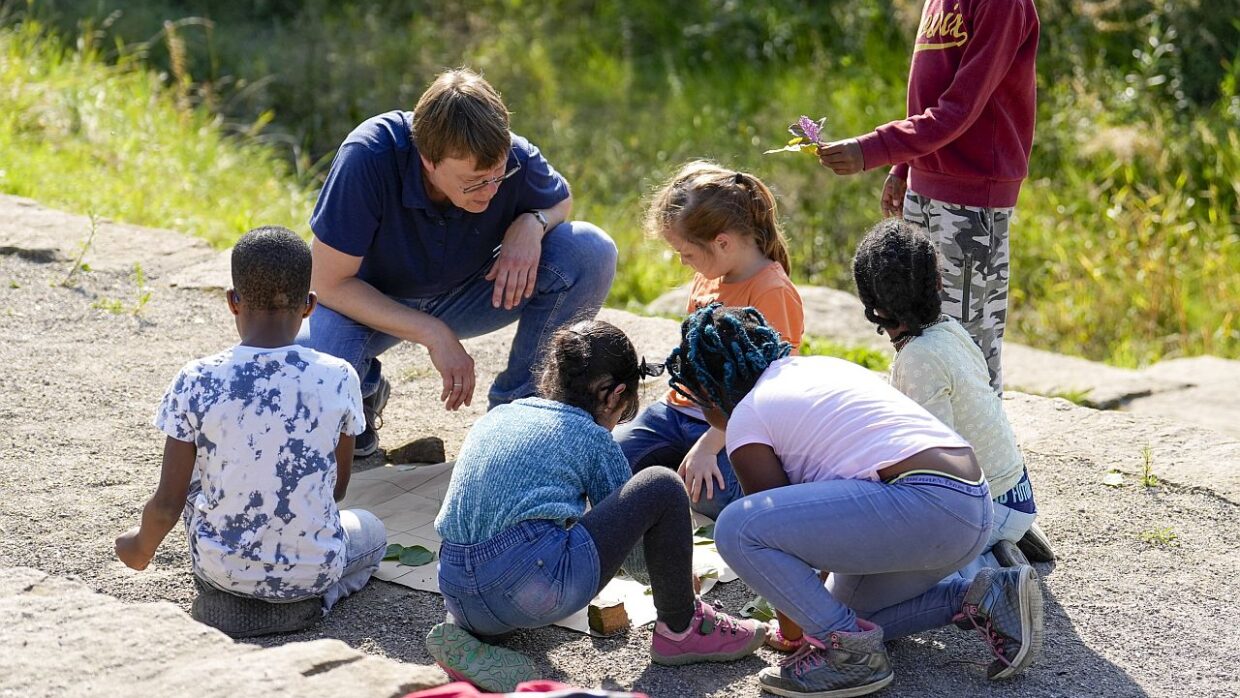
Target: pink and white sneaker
(712, 636)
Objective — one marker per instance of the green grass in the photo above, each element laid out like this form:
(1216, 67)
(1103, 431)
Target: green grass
(873, 359)
(1125, 243)
(110, 140)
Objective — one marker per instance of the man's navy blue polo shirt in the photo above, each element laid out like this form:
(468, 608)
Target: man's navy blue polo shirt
(374, 205)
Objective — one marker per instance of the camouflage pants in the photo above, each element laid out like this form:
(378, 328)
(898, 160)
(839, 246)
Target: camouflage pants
(973, 254)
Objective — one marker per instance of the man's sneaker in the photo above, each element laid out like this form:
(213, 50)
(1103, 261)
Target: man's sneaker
(466, 658)
(841, 666)
(372, 407)
(1008, 555)
(1006, 607)
(1036, 546)
(712, 636)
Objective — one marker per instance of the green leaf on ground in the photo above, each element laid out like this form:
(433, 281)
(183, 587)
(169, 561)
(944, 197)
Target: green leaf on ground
(707, 531)
(758, 609)
(393, 551)
(415, 556)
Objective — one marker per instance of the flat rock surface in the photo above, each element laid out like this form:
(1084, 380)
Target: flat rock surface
(61, 638)
(1210, 401)
(840, 316)
(1137, 604)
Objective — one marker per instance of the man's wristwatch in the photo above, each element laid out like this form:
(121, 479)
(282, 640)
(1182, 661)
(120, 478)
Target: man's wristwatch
(542, 219)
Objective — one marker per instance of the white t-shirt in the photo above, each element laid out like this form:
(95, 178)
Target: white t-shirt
(262, 519)
(944, 371)
(830, 419)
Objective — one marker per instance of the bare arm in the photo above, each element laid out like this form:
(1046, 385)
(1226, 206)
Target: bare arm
(515, 271)
(334, 278)
(758, 468)
(137, 546)
(344, 465)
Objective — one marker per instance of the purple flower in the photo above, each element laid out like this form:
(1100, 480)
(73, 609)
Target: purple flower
(810, 129)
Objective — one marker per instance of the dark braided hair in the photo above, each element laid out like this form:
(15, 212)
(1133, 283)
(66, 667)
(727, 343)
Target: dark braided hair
(897, 271)
(722, 353)
(271, 269)
(588, 360)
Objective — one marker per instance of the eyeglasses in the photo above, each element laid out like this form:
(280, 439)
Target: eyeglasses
(487, 182)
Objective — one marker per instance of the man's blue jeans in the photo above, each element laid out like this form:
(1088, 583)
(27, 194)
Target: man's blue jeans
(888, 547)
(661, 435)
(575, 273)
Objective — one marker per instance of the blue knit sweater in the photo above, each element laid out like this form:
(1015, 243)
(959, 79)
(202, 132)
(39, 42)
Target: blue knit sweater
(530, 459)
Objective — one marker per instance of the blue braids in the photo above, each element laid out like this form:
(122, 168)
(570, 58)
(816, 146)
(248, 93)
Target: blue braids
(722, 353)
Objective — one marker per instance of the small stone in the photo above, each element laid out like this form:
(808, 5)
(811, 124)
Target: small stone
(428, 449)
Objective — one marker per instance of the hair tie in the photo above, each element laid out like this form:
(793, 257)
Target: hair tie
(740, 178)
(650, 369)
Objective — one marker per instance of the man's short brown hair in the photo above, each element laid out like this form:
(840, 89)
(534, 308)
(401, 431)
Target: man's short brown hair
(461, 116)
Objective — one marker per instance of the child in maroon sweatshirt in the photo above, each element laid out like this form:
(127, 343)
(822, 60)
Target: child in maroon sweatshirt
(962, 153)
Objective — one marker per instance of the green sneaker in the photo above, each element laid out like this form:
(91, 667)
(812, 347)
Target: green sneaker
(1005, 606)
(466, 658)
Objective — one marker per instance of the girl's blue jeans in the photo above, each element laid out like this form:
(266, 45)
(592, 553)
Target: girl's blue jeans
(889, 548)
(531, 575)
(663, 436)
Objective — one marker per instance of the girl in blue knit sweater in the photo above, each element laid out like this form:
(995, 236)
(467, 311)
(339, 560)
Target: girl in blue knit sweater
(521, 551)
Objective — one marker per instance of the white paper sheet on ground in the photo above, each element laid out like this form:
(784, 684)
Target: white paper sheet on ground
(407, 498)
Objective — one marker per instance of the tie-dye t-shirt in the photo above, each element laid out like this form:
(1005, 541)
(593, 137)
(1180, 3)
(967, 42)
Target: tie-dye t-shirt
(262, 520)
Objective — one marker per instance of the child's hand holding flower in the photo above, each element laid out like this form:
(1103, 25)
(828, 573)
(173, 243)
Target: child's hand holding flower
(842, 157)
(806, 137)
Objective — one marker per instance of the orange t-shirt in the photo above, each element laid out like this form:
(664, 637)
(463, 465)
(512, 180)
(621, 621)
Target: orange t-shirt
(770, 291)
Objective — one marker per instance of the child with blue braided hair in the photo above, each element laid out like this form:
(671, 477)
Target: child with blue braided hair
(842, 472)
(725, 226)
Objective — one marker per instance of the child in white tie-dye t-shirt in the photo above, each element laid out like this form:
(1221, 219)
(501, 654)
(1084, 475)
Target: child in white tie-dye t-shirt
(259, 447)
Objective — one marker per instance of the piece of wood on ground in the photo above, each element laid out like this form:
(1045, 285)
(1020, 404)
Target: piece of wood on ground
(607, 617)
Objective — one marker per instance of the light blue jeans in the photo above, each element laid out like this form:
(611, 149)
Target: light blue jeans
(661, 435)
(575, 273)
(365, 542)
(528, 576)
(888, 547)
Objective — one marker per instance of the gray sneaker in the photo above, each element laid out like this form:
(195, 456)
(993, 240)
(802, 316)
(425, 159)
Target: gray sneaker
(842, 666)
(372, 408)
(1005, 606)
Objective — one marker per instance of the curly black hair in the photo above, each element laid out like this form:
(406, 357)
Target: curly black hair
(722, 353)
(896, 270)
(587, 360)
(271, 269)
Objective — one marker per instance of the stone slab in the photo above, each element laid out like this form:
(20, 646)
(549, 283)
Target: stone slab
(42, 234)
(60, 638)
(1212, 399)
(1185, 454)
(839, 316)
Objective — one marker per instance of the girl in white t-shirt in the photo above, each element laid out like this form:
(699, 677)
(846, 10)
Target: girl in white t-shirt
(937, 363)
(844, 473)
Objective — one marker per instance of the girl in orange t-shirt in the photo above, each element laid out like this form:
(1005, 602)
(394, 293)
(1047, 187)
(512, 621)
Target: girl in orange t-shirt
(723, 224)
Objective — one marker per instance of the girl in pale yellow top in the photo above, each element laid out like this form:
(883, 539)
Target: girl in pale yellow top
(724, 225)
(938, 365)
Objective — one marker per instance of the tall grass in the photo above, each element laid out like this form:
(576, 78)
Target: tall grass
(111, 140)
(1125, 241)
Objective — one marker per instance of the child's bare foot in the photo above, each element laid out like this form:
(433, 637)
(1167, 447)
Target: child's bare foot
(776, 640)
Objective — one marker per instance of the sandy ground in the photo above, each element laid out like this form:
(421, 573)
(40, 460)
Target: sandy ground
(78, 457)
